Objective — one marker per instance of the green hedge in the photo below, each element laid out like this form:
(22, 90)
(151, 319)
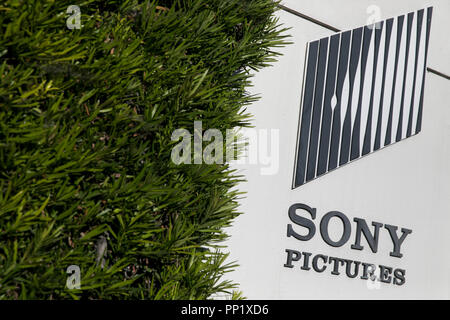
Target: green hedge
(86, 117)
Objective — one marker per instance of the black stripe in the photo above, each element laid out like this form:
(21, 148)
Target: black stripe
(408, 40)
(336, 130)
(419, 121)
(306, 113)
(317, 110)
(419, 21)
(327, 111)
(369, 130)
(354, 59)
(400, 21)
(389, 25)
(355, 152)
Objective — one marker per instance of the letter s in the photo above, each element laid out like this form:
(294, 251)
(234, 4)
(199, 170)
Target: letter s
(399, 275)
(301, 221)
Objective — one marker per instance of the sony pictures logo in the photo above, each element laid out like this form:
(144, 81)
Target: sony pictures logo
(363, 90)
(303, 228)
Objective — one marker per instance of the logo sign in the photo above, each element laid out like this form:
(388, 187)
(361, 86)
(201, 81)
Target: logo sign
(363, 90)
(303, 216)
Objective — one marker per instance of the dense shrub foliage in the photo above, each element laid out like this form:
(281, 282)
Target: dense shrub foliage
(86, 117)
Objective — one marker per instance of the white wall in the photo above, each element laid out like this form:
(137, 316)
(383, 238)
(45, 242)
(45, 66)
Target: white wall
(406, 184)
